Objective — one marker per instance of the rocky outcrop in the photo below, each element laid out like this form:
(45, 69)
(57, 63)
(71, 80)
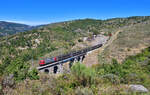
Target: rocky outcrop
(7, 84)
(8, 81)
(137, 88)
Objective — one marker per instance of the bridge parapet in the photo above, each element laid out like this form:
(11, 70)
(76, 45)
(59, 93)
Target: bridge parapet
(60, 67)
(57, 67)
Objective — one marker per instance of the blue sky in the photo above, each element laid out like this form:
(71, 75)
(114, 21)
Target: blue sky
(36, 12)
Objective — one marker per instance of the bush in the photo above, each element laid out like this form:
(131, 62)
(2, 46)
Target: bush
(33, 74)
(114, 61)
(19, 69)
(84, 75)
(112, 78)
(80, 40)
(130, 78)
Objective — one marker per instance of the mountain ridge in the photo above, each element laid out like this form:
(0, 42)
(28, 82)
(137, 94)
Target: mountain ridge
(68, 32)
(10, 28)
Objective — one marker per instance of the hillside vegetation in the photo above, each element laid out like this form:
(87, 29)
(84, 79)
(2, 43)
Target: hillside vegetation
(16, 52)
(131, 40)
(9, 28)
(41, 41)
(101, 79)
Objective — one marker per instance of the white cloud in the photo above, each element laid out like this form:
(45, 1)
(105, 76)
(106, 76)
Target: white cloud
(33, 23)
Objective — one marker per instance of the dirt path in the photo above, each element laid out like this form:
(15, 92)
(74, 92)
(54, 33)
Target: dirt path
(92, 57)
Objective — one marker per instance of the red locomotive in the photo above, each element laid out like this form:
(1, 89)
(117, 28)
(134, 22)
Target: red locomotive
(47, 61)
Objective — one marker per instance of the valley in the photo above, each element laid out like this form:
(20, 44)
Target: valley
(122, 61)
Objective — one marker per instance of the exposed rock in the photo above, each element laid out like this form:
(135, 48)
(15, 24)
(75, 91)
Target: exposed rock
(8, 81)
(137, 88)
(78, 30)
(102, 33)
(99, 39)
(23, 48)
(37, 41)
(85, 39)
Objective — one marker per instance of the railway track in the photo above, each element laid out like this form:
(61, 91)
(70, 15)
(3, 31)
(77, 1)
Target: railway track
(70, 57)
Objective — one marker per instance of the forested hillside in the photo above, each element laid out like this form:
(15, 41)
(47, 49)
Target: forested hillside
(9, 28)
(16, 52)
(59, 35)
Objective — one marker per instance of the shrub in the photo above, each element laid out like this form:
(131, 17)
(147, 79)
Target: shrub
(20, 69)
(80, 40)
(112, 78)
(84, 75)
(95, 32)
(130, 78)
(33, 74)
(114, 61)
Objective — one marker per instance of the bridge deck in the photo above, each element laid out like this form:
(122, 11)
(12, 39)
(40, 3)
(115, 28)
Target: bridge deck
(70, 57)
(59, 62)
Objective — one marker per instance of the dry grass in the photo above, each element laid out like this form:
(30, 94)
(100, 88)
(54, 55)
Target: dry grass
(92, 58)
(130, 41)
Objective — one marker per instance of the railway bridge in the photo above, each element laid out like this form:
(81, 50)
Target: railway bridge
(67, 61)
